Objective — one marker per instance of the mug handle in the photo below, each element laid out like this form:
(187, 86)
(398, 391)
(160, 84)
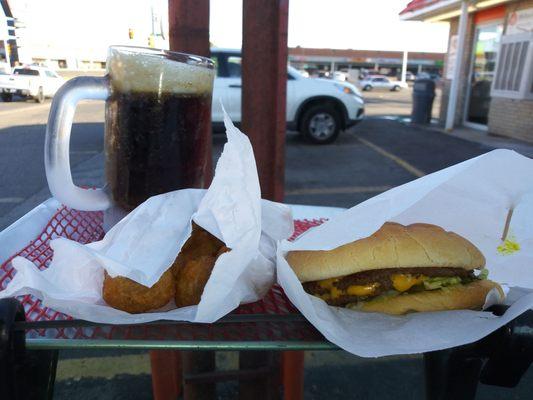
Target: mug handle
(56, 146)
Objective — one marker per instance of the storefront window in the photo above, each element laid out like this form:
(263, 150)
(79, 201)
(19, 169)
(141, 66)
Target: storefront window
(486, 44)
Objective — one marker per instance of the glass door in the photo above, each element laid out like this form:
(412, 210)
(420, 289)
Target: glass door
(485, 53)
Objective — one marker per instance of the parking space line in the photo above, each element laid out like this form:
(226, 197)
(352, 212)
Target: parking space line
(402, 163)
(338, 190)
(103, 367)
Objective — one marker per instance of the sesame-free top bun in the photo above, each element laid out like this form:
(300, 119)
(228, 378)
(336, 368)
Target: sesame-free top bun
(392, 246)
(458, 297)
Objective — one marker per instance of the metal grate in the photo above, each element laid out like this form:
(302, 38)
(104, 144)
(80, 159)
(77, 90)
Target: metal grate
(273, 318)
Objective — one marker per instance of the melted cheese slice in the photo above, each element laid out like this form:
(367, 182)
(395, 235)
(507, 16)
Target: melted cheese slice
(353, 290)
(362, 290)
(400, 282)
(404, 282)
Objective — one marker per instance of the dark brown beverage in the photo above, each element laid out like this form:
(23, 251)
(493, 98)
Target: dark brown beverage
(155, 143)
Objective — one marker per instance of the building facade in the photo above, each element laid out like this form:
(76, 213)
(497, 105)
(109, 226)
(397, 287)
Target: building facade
(375, 60)
(495, 67)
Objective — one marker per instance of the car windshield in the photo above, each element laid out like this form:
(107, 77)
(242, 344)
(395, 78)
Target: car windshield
(26, 71)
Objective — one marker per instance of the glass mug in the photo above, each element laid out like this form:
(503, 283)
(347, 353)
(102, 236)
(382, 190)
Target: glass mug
(157, 113)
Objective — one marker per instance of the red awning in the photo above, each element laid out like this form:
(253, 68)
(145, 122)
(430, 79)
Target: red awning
(417, 5)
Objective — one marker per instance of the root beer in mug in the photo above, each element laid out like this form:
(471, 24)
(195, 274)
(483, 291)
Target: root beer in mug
(157, 114)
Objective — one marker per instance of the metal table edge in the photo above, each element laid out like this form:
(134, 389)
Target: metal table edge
(284, 345)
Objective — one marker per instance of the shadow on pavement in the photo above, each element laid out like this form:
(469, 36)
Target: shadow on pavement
(22, 163)
(383, 100)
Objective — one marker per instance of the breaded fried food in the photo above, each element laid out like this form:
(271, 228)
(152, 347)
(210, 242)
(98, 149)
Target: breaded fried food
(191, 280)
(192, 277)
(184, 280)
(201, 243)
(192, 268)
(127, 295)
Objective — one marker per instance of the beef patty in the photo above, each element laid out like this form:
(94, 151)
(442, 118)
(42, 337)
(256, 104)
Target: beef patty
(382, 277)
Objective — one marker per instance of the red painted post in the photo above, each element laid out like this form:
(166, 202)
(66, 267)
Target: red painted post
(166, 374)
(264, 92)
(292, 371)
(189, 26)
(264, 87)
(189, 33)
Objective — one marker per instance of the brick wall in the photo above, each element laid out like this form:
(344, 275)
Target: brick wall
(513, 118)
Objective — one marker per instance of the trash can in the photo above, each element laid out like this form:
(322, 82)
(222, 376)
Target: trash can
(423, 95)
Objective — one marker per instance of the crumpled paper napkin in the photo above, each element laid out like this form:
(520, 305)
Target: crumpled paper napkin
(144, 244)
(473, 199)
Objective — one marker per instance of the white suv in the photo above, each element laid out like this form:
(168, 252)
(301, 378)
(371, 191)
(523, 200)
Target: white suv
(318, 108)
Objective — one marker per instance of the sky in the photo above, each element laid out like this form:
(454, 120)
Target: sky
(84, 29)
(338, 24)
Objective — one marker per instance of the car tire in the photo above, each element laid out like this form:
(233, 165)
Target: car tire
(7, 97)
(395, 88)
(40, 96)
(321, 124)
(367, 88)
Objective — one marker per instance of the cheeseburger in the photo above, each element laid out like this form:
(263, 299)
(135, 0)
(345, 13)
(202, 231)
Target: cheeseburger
(397, 270)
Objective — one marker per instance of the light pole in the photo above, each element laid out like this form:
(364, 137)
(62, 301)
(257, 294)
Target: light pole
(404, 66)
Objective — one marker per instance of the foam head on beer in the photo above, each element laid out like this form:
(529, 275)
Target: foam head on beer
(158, 71)
(157, 123)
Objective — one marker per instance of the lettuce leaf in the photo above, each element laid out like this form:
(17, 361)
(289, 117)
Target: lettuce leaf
(441, 281)
(483, 274)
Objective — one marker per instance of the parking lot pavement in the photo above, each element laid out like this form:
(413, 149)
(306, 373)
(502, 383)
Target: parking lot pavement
(386, 103)
(370, 158)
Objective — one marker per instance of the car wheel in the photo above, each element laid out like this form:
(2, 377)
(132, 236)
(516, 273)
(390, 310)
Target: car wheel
(367, 88)
(321, 124)
(40, 96)
(395, 88)
(7, 97)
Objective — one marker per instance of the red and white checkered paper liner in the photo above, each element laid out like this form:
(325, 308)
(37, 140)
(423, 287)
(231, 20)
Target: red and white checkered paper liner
(86, 227)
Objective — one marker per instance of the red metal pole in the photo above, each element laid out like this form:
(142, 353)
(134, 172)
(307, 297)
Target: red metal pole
(264, 87)
(264, 91)
(292, 368)
(189, 26)
(166, 374)
(189, 33)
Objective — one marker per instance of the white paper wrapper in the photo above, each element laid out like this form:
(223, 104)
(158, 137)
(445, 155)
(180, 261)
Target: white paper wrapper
(144, 244)
(472, 199)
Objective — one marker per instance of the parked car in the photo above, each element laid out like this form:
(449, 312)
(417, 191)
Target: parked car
(372, 82)
(30, 82)
(409, 76)
(340, 76)
(318, 108)
(5, 69)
